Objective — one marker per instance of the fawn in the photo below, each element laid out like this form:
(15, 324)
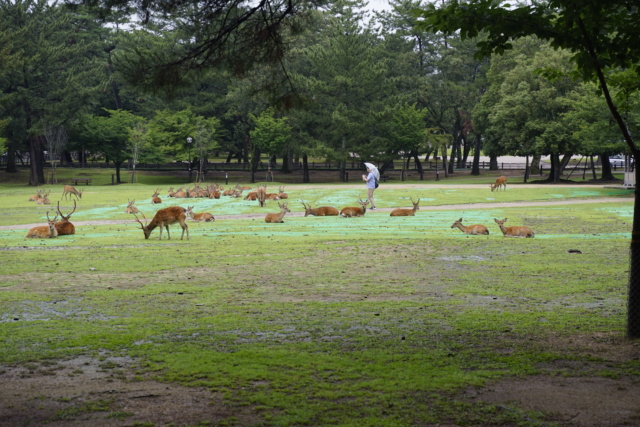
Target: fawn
(206, 217)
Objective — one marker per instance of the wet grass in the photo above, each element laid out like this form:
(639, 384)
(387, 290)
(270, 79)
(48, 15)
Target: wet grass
(322, 321)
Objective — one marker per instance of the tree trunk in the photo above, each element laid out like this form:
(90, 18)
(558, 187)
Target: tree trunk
(493, 163)
(475, 168)
(416, 158)
(607, 174)
(633, 304)
(11, 161)
(36, 153)
(305, 169)
(535, 164)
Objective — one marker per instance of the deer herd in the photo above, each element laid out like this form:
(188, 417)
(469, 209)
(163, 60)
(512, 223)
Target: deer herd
(176, 214)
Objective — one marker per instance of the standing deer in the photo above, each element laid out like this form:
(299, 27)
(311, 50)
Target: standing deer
(277, 217)
(349, 212)
(71, 190)
(156, 197)
(164, 218)
(262, 195)
(500, 182)
(321, 211)
(516, 231)
(44, 231)
(475, 229)
(406, 212)
(206, 217)
(130, 208)
(64, 227)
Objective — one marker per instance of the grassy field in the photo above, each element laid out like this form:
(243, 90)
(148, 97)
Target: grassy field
(324, 321)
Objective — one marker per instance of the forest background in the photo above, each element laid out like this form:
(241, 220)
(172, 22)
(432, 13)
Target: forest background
(339, 82)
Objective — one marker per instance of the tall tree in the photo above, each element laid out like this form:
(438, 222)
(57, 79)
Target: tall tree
(602, 36)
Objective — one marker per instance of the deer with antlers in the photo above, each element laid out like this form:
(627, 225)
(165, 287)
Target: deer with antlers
(71, 191)
(36, 196)
(476, 229)
(64, 227)
(321, 211)
(500, 182)
(164, 218)
(156, 197)
(350, 211)
(515, 231)
(130, 208)
(277, 217)
(48, 231)
(204, 217)
(406, 212)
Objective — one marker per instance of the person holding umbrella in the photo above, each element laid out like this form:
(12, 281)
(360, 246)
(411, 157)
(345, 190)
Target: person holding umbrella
(371, 178)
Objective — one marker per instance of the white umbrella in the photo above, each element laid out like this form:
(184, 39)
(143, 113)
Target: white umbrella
(373, 169)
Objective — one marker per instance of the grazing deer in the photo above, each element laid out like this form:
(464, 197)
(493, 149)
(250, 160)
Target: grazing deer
(262, 195)
(500, 182)
(321, 211)
(516, 231)
(475, 229)
(130, 208)
(349, 212)
(282, 194)
(277, 217)
(164, 218)
(156, 198)
(36, 196)
(206, 217)
(406, 212)
(64, 227)
(45, 231)
(44, 199)
(71, 190)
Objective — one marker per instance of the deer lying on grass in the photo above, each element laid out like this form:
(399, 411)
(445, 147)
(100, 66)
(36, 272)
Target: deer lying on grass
(71, 190)
(277, 217)
(44, 199)
(64, 227)
(321, 211)
(130, 208)
(164, 218)
(500, 182)
(180, 193)
(205, 217)
(156, 197)
(282, 194)
(45, 231)
(475, 229)
(349, 212)
(406, 212)
(36, 196)
(516, 231)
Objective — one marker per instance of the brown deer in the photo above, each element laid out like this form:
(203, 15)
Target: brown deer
(475, 229)
(321, 211)
(71, 190)
(262, 195)
(273, 196)
(171, 193)
(252, 195)
(277, 217)
(164, 218)
(516, 231)
(214, 191)
(282, 194)
(349, 212)
(44, 199)
(130, 208)
(156, 197)
(406, 212)
(36, 196)
(206, 217)
(64, 227)
(180, 193)
(500, 182)
(45, 231)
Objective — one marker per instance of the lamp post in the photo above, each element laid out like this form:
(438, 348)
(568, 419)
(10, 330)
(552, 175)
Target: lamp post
(189, 142)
